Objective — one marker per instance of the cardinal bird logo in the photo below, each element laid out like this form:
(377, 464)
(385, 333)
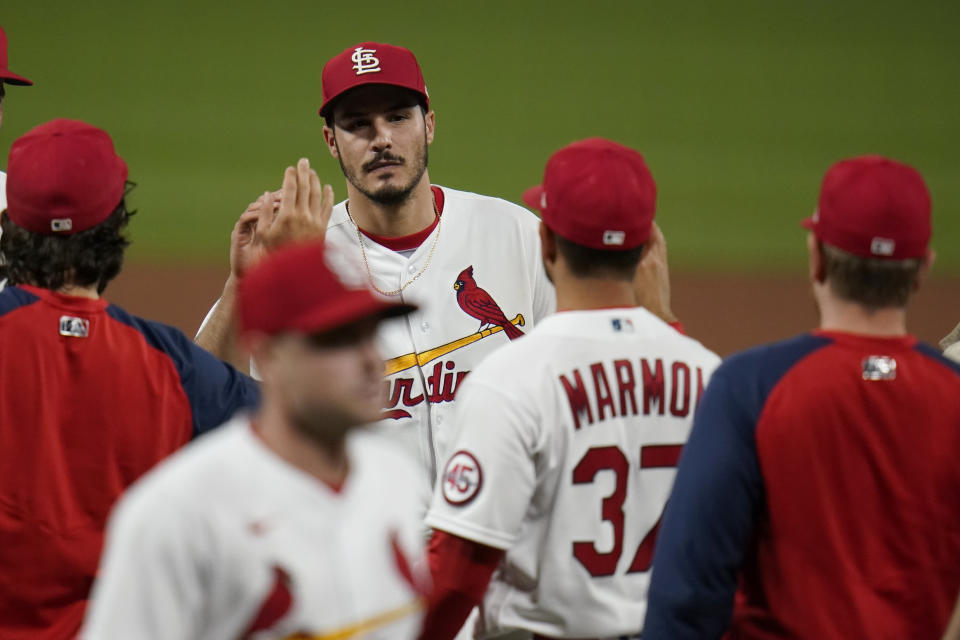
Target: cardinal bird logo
(478, 303)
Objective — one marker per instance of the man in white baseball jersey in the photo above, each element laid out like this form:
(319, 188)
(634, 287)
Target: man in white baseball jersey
(289, 523)
(566, 441)
(470, 262)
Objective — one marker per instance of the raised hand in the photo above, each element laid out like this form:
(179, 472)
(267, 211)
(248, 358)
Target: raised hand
(652, 280)
(304, 210)
(246, 244)
(299, 211)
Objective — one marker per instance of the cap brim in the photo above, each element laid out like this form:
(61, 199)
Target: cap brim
(361, 306)
(327, 107)
(533, 197)
(12, 78)
(808, 223)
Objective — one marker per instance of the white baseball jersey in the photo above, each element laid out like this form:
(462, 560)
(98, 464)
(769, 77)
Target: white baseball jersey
(429, 352)
(226, 540)
(564, 454)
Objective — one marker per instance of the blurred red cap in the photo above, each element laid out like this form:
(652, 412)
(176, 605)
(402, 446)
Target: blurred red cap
(63, 177)
(308, 288)
(873, 207)
(598, 194)
(371, 63)
(5, 74)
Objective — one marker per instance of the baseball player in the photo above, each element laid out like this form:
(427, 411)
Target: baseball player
(566, 441)
(821, 472)
(292, 523)
(470, 262)
(6, 77)
(92, 397)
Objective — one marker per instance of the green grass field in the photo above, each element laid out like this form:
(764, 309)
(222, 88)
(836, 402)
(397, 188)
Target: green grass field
(739, 107)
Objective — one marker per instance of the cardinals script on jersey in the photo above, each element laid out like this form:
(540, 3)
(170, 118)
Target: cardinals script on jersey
(564, 455)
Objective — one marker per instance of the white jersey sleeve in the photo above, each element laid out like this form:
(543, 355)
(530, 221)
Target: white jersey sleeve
(489, 480)
(150, 580)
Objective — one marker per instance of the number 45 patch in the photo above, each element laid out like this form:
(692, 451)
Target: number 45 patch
(462, 478)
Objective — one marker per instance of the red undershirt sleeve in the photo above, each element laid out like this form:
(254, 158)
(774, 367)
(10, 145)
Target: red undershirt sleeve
(461, 570)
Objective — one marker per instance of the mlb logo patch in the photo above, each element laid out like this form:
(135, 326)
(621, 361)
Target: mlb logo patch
(622, 324)
(614, 238)
(74, 327)
(882, 247)
(61, 224)
(879, 368)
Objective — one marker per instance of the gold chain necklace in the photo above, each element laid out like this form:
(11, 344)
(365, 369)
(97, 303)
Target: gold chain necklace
(363, 252)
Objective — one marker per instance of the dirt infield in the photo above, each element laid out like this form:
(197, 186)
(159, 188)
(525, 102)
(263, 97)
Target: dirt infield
(726, 312)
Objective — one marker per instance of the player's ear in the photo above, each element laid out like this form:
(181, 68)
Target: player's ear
(548, 246)
(330, 138)
(429, 124)
(818, 272)
(925, 267)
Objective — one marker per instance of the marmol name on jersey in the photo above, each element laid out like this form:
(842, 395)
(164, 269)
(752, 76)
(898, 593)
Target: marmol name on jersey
(614, 391)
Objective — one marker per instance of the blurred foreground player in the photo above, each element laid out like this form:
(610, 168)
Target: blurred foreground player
(566, 441)
(6, 77)
(821, 471)
(92, 397)
(291, 523)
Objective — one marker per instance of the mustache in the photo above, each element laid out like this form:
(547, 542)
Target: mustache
(383, 156)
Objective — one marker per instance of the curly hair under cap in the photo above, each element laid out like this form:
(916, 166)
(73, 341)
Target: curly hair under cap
(89, 258)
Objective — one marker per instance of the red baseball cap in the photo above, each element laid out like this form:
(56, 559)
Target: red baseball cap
(5, 74)
(873, 207)
(598, 194)
(371, 63)
(63, 177)
(308, 288)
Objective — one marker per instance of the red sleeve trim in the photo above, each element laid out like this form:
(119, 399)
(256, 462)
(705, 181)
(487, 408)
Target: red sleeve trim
(461, 570)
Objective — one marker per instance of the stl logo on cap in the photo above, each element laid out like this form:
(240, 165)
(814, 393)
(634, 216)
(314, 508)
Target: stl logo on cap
(364, 61)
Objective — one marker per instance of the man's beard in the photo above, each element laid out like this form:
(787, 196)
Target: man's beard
(389, 195)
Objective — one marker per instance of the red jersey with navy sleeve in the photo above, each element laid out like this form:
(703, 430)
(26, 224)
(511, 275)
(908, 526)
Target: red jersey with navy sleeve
(91, 398)
(821, 477)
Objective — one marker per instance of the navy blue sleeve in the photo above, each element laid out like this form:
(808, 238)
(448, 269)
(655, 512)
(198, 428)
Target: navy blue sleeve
(935, 354)
(215, 389)
(12, 298)
(716, 499)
